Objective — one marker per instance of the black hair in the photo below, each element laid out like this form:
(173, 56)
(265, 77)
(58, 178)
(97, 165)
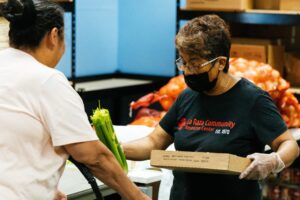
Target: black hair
(31, 20)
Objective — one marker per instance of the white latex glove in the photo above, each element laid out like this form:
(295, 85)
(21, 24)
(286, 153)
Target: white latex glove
(262, 165)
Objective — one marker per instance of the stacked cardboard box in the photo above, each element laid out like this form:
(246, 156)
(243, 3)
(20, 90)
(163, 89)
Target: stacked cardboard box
(266, 4)
(261, 50)
(292, 66)
(290, 5)
(230, 5)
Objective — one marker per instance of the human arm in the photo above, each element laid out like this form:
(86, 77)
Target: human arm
(60, 196)
(63, 115)
(140, 149)
(286, 150)
(269, 128)
(105, 167)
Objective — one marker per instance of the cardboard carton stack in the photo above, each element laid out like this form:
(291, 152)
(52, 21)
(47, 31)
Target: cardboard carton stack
(227, 5)
(292, 68)
(293, 5)
(261, 50)
(266, 4)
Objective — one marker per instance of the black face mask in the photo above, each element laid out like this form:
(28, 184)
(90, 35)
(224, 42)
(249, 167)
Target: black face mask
(200, 82)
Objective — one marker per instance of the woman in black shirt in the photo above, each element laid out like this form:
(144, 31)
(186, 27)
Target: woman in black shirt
(219, 113)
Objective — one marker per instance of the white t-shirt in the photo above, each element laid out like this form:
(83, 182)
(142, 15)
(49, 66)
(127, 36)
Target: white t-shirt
(39, 112)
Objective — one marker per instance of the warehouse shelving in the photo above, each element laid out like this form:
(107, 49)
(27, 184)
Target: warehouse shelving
(249, 17)
(261, 17)
(258, 17)
(69, 6)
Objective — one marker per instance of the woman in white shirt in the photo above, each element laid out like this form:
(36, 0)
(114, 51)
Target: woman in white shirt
(43, 120)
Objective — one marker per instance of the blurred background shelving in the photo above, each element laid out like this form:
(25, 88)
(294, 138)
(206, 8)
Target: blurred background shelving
(272, 25)
(106, 43)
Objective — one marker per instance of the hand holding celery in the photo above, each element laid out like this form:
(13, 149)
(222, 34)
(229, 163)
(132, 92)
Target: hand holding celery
(103, 125)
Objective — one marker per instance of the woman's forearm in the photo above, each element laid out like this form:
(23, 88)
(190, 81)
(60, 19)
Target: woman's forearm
(288, 151)
(138, 149)
(108, 170)
(141, 149)
(103, 165)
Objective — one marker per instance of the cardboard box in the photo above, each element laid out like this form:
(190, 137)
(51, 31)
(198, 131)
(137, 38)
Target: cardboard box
(4, 28)
(276, 57)
(250, 52)
(290, 5)
(261, 50)
(266, 4)
(230, 5)
(292, 66)
(217, 163)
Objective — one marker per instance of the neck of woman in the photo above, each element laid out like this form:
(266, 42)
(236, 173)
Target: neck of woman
(39, 53)
(224, 83)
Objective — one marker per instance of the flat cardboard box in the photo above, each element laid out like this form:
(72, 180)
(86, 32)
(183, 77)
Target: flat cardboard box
(215, 163)
(261, 50)
(290, 5)
(227, 5)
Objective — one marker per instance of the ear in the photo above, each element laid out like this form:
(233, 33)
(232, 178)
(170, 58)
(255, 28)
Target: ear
(52, 38)
(222, 62)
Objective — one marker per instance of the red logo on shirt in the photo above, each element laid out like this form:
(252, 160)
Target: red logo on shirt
(181, 123)
(217, 127)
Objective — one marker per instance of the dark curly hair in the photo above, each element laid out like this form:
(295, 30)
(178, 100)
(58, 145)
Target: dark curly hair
(30, 20)
(206, 37)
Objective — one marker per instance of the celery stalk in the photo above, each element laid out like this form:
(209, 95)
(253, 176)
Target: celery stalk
(101, 120)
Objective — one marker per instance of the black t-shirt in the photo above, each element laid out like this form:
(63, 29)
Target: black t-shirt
(240, 122)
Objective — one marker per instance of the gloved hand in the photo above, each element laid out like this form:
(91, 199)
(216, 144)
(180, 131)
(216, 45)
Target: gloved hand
(262, 165)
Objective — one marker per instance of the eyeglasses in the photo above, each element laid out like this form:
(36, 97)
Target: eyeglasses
(181, 66)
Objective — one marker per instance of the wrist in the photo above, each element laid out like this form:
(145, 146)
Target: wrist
(279, 164)
(138, 194)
